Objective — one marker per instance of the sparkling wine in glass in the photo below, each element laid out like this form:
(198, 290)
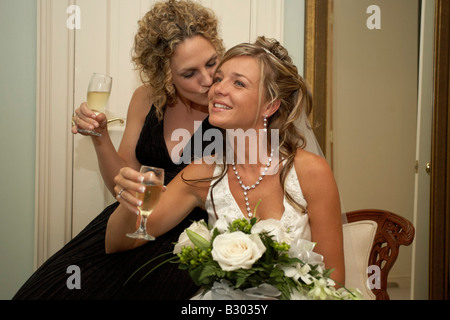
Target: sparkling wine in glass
(154, 184)
(99, 90)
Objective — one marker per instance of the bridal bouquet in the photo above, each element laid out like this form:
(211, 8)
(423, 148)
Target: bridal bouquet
(251, 260)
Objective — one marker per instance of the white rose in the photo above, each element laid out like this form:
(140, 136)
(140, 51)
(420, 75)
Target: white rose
(237, 250)
(198, 227)
(274, 228)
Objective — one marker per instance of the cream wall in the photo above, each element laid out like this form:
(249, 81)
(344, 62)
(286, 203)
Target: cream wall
(294, 35)
(374, 110)
(17, 132)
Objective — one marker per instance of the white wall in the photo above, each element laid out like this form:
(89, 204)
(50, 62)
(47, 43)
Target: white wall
(294, 31)
(17, 131)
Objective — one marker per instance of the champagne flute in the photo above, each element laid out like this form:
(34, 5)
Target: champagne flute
(99, 90)
(154, 184)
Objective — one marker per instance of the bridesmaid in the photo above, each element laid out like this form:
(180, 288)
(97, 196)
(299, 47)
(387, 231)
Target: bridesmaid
(176, 49)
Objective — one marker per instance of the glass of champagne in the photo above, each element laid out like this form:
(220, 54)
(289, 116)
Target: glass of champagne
(154, 184)
(99, 90)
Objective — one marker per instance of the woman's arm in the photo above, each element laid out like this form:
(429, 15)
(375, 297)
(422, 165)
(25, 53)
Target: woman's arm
(324, 210)
(174, 205)
(109, 160)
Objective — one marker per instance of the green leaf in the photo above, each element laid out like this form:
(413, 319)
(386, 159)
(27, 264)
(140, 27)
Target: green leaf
(277, 273)
(151, 260)
(327, 273)
(195, 274)
(215, 233)
(241, 276)
(256, 207)
(164, 262)
(198, 240)
(208, 270)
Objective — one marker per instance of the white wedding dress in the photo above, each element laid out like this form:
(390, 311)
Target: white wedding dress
(228, 210)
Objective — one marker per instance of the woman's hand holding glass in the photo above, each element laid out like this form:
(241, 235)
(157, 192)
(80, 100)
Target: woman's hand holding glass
(128, 183)
(90, 118)
(131, 186)
(85, 120)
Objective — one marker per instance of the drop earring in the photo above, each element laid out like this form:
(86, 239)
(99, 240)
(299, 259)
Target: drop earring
(265, 124)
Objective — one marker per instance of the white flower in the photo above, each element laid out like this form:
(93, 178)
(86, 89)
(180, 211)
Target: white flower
(274, 228)
(298, 271)
(237, 250)
(349, 294)
(198, 227)
(299, 295)
(223, 223)
(323, 288)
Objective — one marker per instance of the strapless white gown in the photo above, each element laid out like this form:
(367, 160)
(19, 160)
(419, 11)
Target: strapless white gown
(227, 208)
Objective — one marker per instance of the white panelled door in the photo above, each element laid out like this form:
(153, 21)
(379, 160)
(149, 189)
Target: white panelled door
(104, 43)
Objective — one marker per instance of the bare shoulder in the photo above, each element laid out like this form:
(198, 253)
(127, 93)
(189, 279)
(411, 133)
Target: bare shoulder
(138, 109)
(319, 187)
(314, 174)
(142, 91)
(141, 100)
(309, 165)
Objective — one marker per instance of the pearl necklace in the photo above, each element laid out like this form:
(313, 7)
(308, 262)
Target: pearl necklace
(253, 186)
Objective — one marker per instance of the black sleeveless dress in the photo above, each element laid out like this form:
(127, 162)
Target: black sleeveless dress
(103, 276)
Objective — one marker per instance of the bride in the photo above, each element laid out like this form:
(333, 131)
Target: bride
(256, 87)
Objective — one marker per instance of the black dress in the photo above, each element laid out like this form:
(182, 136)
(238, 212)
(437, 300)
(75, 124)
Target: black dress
(103, 276)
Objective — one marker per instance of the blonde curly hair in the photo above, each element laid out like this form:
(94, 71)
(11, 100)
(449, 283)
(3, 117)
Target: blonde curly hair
(165, 26)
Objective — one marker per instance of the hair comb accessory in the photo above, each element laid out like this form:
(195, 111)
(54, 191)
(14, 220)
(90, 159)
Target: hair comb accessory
(268, 51)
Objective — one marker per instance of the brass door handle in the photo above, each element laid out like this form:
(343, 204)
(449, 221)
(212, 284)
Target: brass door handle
(428, 168)
(116, 119)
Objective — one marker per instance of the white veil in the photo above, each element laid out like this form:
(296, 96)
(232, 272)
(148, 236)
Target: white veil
(313, 146)
(304, 126)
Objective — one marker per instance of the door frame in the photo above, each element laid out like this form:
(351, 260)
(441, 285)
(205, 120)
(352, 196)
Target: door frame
(440, 159)
(54, 142)
(317, 19)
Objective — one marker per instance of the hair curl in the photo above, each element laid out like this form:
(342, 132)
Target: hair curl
(161, 29)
